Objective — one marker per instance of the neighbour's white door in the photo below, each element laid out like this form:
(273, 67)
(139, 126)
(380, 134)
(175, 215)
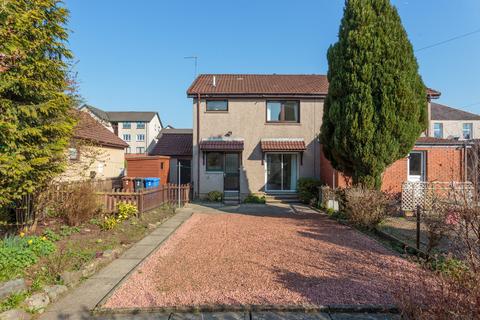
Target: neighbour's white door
(416, 166)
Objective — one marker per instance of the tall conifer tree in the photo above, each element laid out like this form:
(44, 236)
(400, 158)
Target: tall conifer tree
(35, 118)
(376, 106)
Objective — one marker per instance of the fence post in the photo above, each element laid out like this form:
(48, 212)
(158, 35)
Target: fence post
(140, 203)
(418, 226)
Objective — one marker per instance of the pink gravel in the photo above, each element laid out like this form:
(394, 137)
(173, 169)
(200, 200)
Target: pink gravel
(234, 259)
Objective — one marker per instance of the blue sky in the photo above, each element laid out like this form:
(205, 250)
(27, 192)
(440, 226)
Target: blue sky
(131, 53)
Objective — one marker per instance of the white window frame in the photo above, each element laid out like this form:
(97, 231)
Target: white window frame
(440, 129)
(127, 135)
(140, 125)
(126, 125)
(297, 154)
(140, 150)
(423, 169)
(73, 151)
(140, 135)
(470, 124)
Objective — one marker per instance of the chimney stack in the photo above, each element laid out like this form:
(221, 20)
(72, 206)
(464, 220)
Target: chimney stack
(214, 83)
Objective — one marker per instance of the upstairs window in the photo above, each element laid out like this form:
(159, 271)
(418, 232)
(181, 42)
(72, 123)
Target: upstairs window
(140, 125)
(126, 125)
(438, 130)
(140, 137)
(127, 137)
(217, 105)
(283, 111)
(467, 131)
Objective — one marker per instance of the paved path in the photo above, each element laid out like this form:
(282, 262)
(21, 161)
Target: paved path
(78, 303)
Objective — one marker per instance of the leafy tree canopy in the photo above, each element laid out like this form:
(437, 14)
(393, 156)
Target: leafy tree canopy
(376, 106)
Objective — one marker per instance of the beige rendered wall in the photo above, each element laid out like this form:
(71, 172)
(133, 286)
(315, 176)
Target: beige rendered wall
(246, 118)
(106, 162)
(455, 128)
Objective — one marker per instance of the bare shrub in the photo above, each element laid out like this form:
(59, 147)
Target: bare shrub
(434, 222)
(453, 290)
(74, 202)
(365, 208)
(82, 204)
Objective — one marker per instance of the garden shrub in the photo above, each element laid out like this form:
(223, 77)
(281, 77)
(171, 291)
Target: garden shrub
(215, 196)
(126, 210)
(18, 253)
(308, 190)
(365, 208)
(80, 205)
(252, 198)
(109, 223)
(51, 235)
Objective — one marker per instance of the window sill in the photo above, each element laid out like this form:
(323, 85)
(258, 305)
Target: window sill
(283, 123)
(219, 111)
(214, 172)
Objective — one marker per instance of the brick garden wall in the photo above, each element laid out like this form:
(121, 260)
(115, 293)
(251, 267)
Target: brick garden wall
(443, 164)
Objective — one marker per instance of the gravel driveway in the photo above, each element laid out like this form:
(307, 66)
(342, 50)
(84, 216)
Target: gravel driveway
(263, 256)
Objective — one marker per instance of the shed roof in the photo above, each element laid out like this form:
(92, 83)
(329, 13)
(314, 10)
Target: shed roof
(174, 142)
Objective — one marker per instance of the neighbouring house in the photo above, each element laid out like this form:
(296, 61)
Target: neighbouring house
(259, 134)
(450, 123)
(176, 144)
(94, 152)
(431, 160)
(137, 128)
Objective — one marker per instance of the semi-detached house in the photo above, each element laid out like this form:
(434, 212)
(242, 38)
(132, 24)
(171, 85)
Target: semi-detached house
(259, 134)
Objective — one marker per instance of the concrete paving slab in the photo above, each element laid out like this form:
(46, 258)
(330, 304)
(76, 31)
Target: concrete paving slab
(162, 231)
(80, 301)
(117, 269)
(138, 252)
(272, 315)
(153, 239)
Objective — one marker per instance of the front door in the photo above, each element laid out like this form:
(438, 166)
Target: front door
(416, 166)
(232, 172)
(281, 172)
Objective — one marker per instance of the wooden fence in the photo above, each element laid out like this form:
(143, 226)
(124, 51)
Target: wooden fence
(146, 199)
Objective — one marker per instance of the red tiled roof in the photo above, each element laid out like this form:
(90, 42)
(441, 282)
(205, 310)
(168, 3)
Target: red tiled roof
(251, 84)
(89, 129)
(433, 93)
(221, 145)
(174, 144)
(265, 84)
(282, 145)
